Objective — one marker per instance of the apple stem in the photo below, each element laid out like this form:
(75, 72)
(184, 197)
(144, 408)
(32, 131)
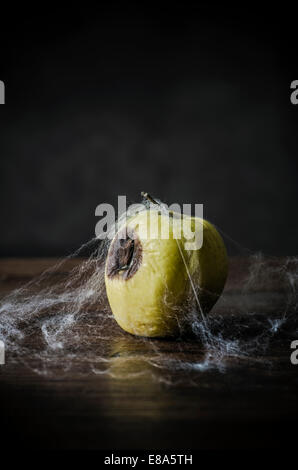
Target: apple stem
(149, 198)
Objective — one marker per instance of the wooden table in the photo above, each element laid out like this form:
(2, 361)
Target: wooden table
(156, 394)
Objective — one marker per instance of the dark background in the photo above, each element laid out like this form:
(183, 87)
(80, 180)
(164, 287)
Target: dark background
(192, 105)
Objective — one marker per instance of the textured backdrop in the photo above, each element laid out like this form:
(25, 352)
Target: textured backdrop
(191, 106)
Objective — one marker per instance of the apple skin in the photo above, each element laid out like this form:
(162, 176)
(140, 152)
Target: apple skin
(153, 300)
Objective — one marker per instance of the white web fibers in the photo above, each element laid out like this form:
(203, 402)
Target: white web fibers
(61, 321)
(252, 324)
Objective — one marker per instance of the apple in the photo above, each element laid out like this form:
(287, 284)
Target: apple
(150, 279)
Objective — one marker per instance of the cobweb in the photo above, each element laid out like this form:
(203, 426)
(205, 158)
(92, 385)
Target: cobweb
(61, 323)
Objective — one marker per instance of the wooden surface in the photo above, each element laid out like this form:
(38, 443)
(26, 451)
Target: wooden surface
(142, 394)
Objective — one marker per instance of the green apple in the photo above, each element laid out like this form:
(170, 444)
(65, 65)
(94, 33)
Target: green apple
(149, 278)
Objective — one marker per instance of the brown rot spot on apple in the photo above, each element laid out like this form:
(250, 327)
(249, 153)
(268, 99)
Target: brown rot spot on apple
(125, 255)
